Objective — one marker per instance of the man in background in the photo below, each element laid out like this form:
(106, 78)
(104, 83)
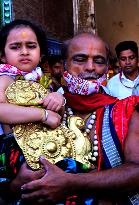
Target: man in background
(56, 68)
(125, 83)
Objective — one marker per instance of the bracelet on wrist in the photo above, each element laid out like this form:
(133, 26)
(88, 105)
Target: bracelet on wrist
(64, 102)
(44, 114)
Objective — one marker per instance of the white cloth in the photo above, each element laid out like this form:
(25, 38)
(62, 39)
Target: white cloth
(105, 89)
(122, 88)
(10, 70)
(60, 90)
(81, 86)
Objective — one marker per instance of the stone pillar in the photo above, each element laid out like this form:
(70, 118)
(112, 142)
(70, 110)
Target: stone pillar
(84, 16)
(6, 8)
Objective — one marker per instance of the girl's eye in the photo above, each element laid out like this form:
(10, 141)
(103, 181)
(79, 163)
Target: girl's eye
(15, 47)
(31, 45)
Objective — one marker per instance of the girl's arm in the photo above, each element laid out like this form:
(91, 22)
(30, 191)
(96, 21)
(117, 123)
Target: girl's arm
(14, 114)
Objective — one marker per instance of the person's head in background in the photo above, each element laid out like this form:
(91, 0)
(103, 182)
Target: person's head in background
(22, 44)
(114, 65)
(127, 54)
(56, 66)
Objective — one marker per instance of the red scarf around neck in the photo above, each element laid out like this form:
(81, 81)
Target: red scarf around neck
(88, 103)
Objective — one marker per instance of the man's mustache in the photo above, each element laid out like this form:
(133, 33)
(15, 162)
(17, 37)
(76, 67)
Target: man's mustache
(87, 75)
(129, 66)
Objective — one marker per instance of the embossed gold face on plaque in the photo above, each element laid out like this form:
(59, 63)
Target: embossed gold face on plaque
(37, 139)
(26, 93)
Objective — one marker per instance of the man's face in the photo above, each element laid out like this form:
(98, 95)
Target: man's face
(128, 62)
(87, 58)
(57, 69)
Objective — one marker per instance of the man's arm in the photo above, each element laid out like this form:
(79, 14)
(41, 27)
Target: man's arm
(56, 184)
(12, 189)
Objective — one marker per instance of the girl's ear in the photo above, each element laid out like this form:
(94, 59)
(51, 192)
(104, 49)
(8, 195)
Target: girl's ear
(2, 59)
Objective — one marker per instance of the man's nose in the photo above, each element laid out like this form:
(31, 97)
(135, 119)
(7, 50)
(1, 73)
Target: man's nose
(128, 61)
(90, 65)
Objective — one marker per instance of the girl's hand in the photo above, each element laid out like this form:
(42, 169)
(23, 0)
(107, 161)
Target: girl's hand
(50, 118)
(53, 101)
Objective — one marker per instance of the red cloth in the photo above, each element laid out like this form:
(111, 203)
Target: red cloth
(88, 103)
(121, 115)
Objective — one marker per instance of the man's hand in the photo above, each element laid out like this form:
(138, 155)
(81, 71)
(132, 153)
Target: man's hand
(53, 101)
(51, 188)
(24, 175)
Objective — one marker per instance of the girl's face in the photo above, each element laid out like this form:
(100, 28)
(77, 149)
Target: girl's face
(22, 49)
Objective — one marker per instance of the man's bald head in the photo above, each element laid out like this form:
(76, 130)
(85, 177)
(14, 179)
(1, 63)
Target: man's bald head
(81, 38)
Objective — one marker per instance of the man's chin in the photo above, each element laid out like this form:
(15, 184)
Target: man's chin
(129, 71)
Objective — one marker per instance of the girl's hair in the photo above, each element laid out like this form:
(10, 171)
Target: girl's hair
(19, 23)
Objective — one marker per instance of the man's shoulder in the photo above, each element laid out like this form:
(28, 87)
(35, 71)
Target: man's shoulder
(112, 82)
(129, 103)
(114, 78)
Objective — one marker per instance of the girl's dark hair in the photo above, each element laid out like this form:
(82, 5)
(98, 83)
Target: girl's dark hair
(40, 34)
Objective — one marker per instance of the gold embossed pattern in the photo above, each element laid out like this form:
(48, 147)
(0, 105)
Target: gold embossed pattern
(37, 139)
(25, 93)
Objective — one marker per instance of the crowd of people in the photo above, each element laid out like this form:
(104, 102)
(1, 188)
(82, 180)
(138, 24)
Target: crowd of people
(109, 114)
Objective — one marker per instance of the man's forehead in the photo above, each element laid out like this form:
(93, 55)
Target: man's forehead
(87, 45)
(127, 52)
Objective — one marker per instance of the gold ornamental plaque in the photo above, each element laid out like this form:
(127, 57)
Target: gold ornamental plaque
(25, 93)
(37, 139)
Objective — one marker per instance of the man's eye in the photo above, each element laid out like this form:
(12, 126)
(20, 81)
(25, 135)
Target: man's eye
(132, 57)
(99, 60)
(127, 58)
(123, 59)
(79, 59)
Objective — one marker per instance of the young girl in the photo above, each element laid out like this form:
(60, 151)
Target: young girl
(22, 48)
(23, 45)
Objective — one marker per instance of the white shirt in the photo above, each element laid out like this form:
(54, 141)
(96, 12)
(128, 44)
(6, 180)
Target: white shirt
(121, 87)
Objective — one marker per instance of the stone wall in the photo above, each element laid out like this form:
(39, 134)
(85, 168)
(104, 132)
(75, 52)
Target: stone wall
(54, 15)
(117, 20)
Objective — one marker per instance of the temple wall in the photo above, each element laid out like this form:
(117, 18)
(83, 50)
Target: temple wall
(54, 15)
(117, 20)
